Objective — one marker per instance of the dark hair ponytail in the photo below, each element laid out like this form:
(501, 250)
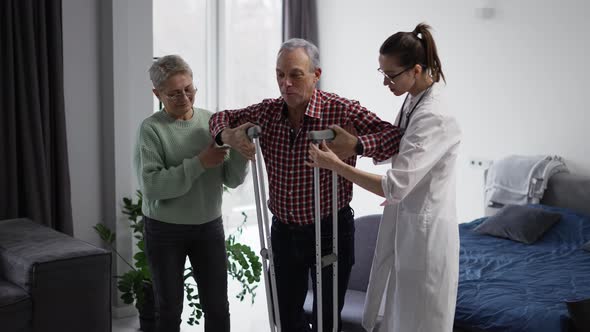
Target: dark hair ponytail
(416, 47)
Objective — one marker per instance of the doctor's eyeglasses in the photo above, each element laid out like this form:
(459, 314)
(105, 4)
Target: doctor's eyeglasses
(391, 78)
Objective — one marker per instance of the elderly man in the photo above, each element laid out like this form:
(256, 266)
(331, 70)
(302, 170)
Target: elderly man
(285, 122)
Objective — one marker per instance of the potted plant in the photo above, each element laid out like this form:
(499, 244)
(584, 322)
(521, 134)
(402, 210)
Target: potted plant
(135, 285)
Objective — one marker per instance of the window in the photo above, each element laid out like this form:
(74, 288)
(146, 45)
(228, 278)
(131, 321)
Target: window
(251, 36)
(231, 46)
(181, 27)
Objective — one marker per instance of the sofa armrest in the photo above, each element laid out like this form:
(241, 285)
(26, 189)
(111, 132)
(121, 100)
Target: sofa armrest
(69, 280)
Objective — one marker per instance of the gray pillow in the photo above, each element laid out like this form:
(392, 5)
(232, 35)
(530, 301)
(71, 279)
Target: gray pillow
(586, 246)
(520, 223)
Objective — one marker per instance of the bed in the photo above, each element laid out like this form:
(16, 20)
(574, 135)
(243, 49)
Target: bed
(510, 286)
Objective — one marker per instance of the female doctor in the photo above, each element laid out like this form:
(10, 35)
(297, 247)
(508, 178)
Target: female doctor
(416, 262)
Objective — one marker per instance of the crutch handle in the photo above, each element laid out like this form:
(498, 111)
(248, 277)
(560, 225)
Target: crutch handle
(321, 135)
(254, 131)
(329, 259)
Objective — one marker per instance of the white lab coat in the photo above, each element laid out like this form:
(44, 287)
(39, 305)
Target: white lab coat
(418, 243)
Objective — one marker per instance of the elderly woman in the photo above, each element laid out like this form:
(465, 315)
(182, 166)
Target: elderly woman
(181, 174)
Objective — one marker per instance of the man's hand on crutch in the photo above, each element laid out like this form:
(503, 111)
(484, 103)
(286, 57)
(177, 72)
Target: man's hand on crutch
(345, 141)
(239, 141)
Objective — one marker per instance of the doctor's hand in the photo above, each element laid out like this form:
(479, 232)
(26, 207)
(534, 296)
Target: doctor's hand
(239, 140)
(321, 156)
(344, 143)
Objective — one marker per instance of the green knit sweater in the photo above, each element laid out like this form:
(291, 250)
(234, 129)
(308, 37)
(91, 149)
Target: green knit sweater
(176, 187)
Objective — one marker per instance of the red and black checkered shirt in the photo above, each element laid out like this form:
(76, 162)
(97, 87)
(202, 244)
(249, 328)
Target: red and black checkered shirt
(285, 150)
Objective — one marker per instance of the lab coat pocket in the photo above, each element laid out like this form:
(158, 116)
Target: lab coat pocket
(412, 241)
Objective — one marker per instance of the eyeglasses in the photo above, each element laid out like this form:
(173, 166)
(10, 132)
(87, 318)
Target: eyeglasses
(392, 77)
(179, 96)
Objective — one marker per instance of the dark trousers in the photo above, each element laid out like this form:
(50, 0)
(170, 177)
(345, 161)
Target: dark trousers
(294, 258)
(167, 246)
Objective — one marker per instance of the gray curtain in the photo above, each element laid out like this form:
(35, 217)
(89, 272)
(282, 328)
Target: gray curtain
(34, 175)
(300, 20)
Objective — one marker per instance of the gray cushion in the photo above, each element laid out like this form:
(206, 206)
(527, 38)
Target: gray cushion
(69, 280)
(586, 246)
(28, 247)
(352, 312)
(524, 224)
(365, 239)
(15, 308)
(570, 191)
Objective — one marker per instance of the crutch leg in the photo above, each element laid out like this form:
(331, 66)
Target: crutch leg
(331, 259)
(335, 320)
(264, 233)
(318, 249)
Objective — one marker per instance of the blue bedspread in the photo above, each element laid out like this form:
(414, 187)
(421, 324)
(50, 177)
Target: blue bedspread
(509, 286)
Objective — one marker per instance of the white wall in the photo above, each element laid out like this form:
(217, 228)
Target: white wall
(515, 80)
(107, 51)
(81, 35)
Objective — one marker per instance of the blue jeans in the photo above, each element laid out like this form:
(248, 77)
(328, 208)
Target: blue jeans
(167, 246)
(294, 258)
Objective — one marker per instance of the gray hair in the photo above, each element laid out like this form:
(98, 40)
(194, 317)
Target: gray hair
(310, 49)
(165, 67)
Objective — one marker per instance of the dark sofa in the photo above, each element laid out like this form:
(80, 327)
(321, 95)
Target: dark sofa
(52, 282)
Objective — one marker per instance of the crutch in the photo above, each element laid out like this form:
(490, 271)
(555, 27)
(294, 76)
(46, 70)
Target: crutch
(265, 243)
(330, 259)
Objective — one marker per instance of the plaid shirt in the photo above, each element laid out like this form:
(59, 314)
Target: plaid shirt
(285, 149)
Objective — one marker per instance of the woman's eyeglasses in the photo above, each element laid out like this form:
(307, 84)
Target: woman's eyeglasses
(179, 96)
(392, 77)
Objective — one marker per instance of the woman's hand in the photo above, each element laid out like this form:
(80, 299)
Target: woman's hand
(321, 156)
(212, 156)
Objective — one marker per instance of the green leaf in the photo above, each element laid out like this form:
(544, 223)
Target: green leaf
(105, 233)
(127, 298)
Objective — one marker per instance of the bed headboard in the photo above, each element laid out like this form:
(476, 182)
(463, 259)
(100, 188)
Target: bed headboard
(565, 190)
(569, 191)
